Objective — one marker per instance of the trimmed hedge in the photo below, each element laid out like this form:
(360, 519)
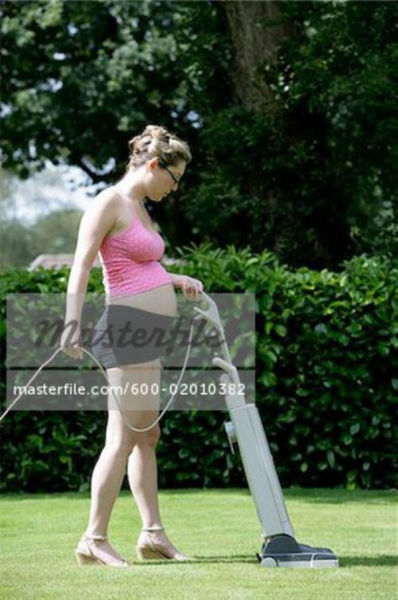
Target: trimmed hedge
(327, 382)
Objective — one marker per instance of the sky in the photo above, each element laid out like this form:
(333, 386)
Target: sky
(52, 188)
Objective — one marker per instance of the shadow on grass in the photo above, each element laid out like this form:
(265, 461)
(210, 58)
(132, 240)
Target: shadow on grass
(310, 495)
(237, 558)
(345, 561)
(368, 561)
(339, 496)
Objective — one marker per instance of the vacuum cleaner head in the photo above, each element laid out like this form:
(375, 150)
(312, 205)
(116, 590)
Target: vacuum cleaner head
(285, 551)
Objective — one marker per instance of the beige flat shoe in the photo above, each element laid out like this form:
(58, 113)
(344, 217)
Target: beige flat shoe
(85, 553)
(151, 550)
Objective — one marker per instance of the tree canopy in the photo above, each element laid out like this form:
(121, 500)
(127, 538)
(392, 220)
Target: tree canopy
(292, 123)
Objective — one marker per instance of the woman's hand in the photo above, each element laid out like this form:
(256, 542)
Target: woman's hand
(190, 286)
(71, 346)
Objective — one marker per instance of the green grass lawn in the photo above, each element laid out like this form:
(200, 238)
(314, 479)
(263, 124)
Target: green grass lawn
(39, 534)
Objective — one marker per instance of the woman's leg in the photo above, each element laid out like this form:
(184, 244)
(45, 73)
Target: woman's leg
(126, 446)
(108, 473)
(142, 466)
(143, 475)
(107, 478)
(141, 384)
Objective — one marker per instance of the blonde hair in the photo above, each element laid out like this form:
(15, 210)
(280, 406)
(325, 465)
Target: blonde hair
(156, 141)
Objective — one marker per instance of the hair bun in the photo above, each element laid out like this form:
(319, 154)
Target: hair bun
(157, 132)
(157, 141)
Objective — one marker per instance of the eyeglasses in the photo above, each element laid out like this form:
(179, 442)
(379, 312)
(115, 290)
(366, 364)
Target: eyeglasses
(164, 166)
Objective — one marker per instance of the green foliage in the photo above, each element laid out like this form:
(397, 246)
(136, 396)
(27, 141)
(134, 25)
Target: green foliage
(313, 179)
(326, 370)
(84, 70)
(337, 81)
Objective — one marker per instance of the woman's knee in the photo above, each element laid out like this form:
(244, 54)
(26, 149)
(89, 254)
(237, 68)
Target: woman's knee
(121, 444)
(150, 437)
(125, 443)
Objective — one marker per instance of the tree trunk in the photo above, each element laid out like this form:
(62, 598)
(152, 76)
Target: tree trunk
(255, 34)
(256, 30)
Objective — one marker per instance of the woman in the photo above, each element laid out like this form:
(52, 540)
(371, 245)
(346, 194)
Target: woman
(118, 226)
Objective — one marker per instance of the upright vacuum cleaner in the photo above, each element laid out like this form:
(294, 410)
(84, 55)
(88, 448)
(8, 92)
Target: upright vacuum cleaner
(280, 548)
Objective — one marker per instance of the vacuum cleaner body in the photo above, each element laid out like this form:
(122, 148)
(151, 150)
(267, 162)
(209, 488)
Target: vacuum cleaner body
(280, 548)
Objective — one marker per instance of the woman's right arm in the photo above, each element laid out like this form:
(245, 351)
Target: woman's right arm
(96, 221)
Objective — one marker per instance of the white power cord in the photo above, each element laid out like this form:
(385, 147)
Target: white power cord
(136, 429)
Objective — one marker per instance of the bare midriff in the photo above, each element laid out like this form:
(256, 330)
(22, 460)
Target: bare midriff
(161, 300)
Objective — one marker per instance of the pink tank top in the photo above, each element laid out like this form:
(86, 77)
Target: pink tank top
(130, 261)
